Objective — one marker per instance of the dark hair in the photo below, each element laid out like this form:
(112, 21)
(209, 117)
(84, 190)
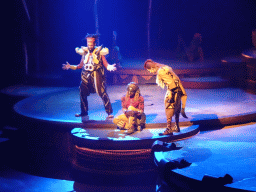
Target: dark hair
(95, 36)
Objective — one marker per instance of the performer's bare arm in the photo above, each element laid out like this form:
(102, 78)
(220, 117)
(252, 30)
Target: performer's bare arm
(67, 66)
(107, 65)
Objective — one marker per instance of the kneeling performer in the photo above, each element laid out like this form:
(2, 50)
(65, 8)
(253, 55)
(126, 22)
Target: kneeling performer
(133, 117)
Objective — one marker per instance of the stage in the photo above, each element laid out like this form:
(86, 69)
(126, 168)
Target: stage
(219, 130)
(210, 46)
(223, 106)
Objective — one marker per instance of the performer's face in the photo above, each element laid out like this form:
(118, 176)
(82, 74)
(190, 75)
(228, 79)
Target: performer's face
(90, 45)
(151, 67)
(152, 70)
(131, 93)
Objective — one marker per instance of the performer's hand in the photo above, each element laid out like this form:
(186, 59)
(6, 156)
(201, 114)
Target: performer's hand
(121, 124)
(111, 67)
(66, 66)
(183, 113)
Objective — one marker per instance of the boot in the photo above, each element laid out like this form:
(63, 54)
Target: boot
(175, 128)
(131, 125)
(168, 130)
(131, 130)
(110, 117)
(141, 126)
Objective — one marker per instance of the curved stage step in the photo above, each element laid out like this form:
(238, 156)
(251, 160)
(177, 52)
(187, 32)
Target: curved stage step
(114, 139)
(122, 154)
(228, 154)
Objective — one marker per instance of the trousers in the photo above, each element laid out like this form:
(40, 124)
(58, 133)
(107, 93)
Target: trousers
(172, 104)
(93, 82)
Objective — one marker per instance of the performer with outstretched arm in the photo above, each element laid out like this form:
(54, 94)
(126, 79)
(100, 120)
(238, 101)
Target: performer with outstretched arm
(93, 79)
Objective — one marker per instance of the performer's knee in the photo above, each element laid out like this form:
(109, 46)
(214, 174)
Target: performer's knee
(115, 120)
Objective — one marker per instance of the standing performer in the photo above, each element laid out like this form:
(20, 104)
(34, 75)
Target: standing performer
(175, 94)
(92, 75)
(133, 108)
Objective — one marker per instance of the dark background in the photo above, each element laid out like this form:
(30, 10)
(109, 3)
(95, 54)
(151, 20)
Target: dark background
(52, 29)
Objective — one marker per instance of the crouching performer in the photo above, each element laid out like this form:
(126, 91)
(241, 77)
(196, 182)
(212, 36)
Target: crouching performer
(175, 94)
(133, 117)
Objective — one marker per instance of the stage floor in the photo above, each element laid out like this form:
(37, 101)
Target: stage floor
(230, 150)
(211, 152)
(224, 106)
(215, 153)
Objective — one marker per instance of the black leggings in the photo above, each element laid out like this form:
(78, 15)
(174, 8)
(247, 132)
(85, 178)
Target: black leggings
(93, 82)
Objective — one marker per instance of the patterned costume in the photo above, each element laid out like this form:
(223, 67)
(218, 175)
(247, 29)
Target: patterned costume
(175, 94)
(134, 116)
(92, 77)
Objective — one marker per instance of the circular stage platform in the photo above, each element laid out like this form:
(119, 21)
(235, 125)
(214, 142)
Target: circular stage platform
(115, 139)
(97, 146)
(205, 107)
(98, 139)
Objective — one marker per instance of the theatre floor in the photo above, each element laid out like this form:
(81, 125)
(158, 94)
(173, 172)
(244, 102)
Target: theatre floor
(215, 150)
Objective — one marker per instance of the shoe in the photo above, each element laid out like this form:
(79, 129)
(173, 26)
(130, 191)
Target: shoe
(79, 115)
(167, 131)
(110, 117)
(131, 130)
(141, 127)
(175, 129)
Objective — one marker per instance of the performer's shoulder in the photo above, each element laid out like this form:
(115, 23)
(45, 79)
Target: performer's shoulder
(165, 69)
(104, 51)
(81, 50)
(162, 70)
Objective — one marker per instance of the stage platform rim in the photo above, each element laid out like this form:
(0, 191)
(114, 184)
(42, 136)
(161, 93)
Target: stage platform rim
(120, 141)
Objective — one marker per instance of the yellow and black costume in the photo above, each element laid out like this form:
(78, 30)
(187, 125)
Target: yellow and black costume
(92, 77)
(174, 97)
